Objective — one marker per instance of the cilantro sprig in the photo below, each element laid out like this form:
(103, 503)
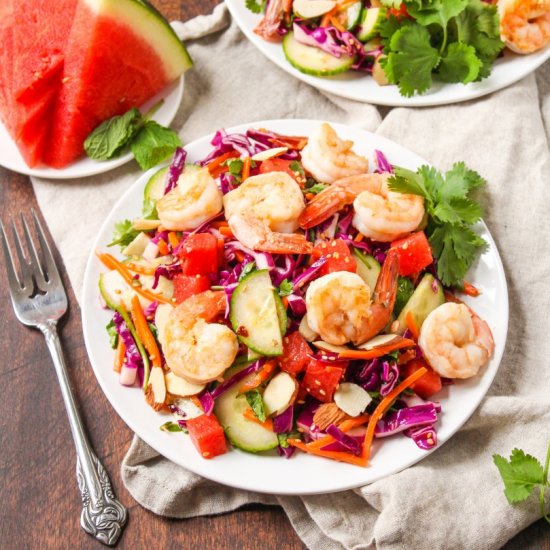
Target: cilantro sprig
(451, 212)
(521, 475)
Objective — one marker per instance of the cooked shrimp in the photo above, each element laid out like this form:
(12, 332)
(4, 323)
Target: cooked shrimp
(524, 24)
(195, 348)
(263, 213)
(195, 199)
(328, 158)
(455, 341)
(268, 28)
(340, 309)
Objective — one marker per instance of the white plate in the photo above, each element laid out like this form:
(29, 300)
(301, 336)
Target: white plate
(11, 158)
(303, 474)
(362, 87)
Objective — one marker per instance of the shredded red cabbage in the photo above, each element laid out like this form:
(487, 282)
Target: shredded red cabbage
(132, 357)
(167, 271)
(425, 437)
(310, 273)
(175, 169)
(390, 374)
(404, 419)
(339, 447)
(226, 384)
(282, 423)
(382, 162)
(305, 423)
(297, 305)
(150, 310)
(330, 40)
(287, 452)
(207, 402)
(349, 443)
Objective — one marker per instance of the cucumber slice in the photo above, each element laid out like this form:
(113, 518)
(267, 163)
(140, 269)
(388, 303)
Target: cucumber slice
(314, 61)
(367, 268)
(353, 14)
(309, 9)
(138, 245)
(281, 313)
(154, 188)
(242, 433)
(426, 297)
(255, 315)
(370, 22)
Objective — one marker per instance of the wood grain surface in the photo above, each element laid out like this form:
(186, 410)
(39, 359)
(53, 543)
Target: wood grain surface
(39, 499)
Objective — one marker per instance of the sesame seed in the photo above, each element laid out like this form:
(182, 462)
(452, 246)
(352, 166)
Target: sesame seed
(317, 383)
(322, 392)
(346, 260)
(333, 243)
(336, 255)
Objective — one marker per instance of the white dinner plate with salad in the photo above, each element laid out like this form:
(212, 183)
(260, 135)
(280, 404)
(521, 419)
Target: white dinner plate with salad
(11, 158)
(268, 472)
(506, 70)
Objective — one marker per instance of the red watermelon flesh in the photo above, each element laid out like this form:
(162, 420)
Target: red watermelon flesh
(6, 62)
(120, 53)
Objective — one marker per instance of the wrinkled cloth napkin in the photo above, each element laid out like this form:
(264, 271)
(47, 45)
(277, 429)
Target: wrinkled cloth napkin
(453, 498)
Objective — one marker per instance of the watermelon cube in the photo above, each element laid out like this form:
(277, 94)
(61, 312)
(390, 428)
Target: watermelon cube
(207, 435)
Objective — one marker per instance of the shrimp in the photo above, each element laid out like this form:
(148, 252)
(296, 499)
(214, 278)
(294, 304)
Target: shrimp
(195, 199)
(195, 348)
(455, 341)
(340, 309)
(328, 158)
(268, 28)
(524, 24)
(263, 214)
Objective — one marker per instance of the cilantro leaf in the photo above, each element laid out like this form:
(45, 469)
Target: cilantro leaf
(256, 6)
(459, 181)
(285, 288)
(124, 233)
(520, 474)
(406, 181)
(316, 188)
(113, 334)
(171, 427)
(248, 268)
(235, 167)
(411, 60)
(254, 399)
(459, 64)
(439, 12)
(389, 26)
(297, 168)
(153, 144)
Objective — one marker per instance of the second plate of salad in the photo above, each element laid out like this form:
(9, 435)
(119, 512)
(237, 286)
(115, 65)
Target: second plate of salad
(296, 307)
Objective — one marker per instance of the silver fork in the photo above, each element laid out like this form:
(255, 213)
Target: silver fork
(39, 300)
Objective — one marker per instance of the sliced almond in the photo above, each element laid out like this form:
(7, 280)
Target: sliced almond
(269, 153)
(137, 246)
(186, 409)
(329, 347)
(351, 398)
(145, 225)
(161, 318)
(155, 394)
(380, 340)
(309, 9)
(180, 387)
(279, 393)
(305, 330)
(327, 414)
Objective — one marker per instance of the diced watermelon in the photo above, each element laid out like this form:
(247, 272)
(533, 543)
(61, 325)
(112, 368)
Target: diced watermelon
(321, 380)
(186, 286)
(207, 435)
(120, 53)
(6, 62)
(296, 353)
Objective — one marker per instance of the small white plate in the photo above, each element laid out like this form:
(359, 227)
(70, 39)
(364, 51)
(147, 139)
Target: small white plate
(362, 87)
(11, 158)
(302, 474)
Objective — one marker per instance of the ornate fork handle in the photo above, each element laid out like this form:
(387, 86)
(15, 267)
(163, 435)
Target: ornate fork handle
(103, 516)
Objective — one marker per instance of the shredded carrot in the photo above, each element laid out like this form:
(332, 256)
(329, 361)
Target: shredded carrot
(309, 196)
(325, 20)
(267, 424)
(141, 269)
(345, 426)
(112, 263)
(358, 237)
(119, 355)
(239, 255)
(411, 325)
(226, 232)
(144, 332)
(259, 378)
(406, 356)
(173, 239)
(336, 24)
(383, 406)
(284, 299)
(197, 402)
(163, 247)
(246, 168)
(345, 4)
(376, 352)
(470, 290)
(219, 223)
(335, 455)
(222, 158)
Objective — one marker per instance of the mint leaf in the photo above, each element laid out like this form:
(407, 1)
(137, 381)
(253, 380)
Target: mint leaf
(285, 288)
(256, 6)
(153, 144)
(459, 64)
(111, 136)
(123, 234)
(113, 334)
(411, 60)
(256, 403)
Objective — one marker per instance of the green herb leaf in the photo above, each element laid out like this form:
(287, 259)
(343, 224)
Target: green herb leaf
(171, 427)
(316, 188)
(248, 268)
(111, 136)
(283, 440)
(459, 64)
(285, 288)
(153, 144)
(123, 234)
(405, 289)
(113, 334)
(411, 60)
(254, 399)
(297, 168)
(459, 181)
(439, 12)
(256, 6)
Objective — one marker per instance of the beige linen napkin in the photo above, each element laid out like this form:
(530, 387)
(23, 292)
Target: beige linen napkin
(453, 498)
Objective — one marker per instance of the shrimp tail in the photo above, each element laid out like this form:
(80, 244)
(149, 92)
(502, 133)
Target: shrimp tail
(324, 205)
(286, 243)
(269, 26)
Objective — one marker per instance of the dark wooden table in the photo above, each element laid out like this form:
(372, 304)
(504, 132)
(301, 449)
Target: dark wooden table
(40, 502)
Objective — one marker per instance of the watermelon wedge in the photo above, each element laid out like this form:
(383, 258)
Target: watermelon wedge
(119, 54)
(6, 62)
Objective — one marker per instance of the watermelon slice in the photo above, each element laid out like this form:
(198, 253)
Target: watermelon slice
(6, 62)
(119, 54)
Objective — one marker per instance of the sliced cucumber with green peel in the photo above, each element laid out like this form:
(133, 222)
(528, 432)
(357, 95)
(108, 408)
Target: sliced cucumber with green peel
(154, 188)
(313, 61)
(370, 23)
(353, 14)
(281, 313)
(242, 433)
(426, 297)
(256, 314)
(367, 268)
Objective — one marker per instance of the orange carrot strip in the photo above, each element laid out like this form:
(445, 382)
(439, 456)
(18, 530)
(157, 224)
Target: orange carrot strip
(284, 299)
(345, 426)
(239, 255)
(358, 237)
(325, 20)
(342, 457)
(336, 24)
(144, 332)
(119, 355)
(141, 269)
(246, 168)
(222, 158)
(219, 223)
(261, 376)
(406, 356)
(226, 232)
(309, 196)
(197, 402)
(470, 290)
(163, 247)
(267, 424)
(112, 263)
(376, 352)
(173, 239)
(383, 406)
(411, 325)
